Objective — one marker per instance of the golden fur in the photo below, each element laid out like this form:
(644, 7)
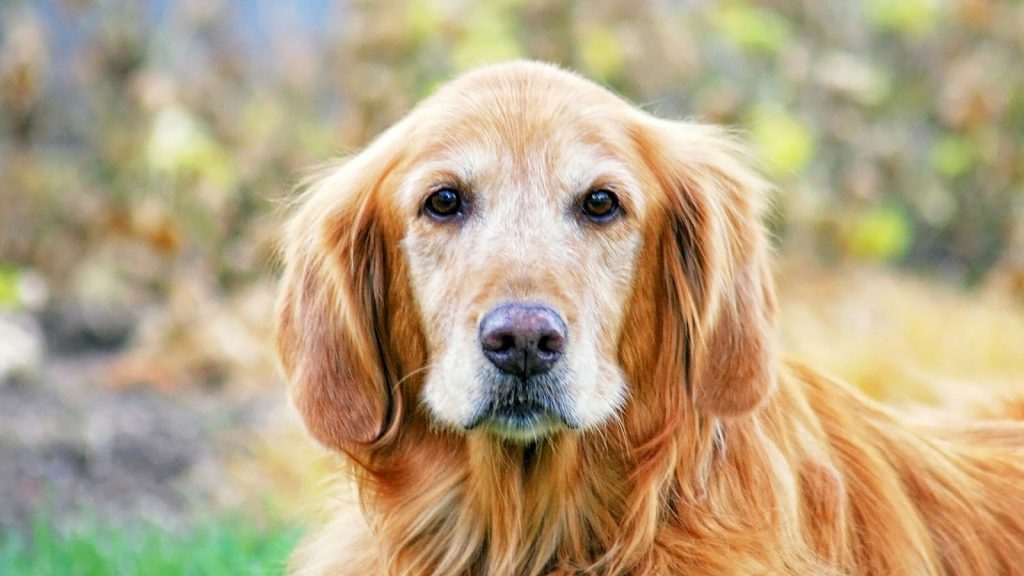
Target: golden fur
(696, 449)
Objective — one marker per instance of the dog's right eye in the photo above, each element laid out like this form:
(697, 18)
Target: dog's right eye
(444, 204)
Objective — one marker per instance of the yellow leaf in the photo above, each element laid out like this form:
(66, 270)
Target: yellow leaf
(9, 280)
(915, 18)
(954, 155)
(489, 37)
(425, 18)
(601, 52)
(882, 234)
(784, 142)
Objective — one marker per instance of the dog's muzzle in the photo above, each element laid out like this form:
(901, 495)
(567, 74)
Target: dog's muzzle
(524, 343)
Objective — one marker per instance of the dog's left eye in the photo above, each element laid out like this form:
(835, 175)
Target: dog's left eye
(600, 205)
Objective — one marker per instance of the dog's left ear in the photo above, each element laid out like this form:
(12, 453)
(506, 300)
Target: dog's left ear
(715, 263)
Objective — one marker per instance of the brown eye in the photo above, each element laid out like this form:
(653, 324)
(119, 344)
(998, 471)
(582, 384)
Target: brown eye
(444, 203)
(600, 205)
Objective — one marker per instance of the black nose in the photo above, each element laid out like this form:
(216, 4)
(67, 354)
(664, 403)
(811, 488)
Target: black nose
(522, 339)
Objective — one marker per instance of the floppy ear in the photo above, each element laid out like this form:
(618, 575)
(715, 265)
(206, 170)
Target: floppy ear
(331, 320)
(715, 264)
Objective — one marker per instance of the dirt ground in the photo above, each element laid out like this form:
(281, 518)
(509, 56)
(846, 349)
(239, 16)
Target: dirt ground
(72, 446)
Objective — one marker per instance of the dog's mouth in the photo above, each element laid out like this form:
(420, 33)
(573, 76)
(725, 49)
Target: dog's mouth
(523, 423)
(522, 411)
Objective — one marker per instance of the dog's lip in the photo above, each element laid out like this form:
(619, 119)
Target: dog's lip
(520, 418)
(521, 414)
(522, 426)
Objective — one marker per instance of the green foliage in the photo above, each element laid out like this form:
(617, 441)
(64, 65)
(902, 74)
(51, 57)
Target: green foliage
(754, 28)
(170, 148)
(225, 546)
(914, 18)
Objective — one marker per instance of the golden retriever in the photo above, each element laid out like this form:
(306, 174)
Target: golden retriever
(539, 324)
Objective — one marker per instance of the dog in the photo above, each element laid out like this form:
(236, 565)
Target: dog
(538, 323)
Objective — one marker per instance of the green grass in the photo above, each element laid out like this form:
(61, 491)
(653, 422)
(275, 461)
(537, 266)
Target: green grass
(231, 545)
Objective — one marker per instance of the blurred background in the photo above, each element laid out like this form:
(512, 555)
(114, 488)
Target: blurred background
(146, 148)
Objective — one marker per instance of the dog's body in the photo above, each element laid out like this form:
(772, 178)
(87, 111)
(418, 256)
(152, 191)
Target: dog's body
(539, 324)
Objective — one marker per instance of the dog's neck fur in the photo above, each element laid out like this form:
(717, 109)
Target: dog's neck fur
(491, 507)
(717, 496)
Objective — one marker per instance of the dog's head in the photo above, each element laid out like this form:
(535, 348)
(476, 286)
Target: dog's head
(513, 255)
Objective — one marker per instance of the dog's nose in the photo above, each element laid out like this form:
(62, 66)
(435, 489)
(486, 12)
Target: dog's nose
(522, 339)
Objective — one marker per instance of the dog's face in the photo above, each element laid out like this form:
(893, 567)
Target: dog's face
(523, 224)
(512, 253)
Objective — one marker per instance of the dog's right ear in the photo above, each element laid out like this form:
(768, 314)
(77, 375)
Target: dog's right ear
(331, 322)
